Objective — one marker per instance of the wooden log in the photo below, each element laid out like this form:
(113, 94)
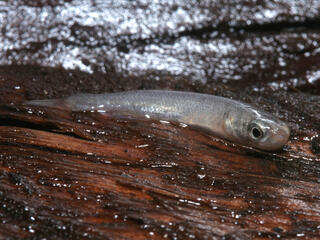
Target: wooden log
(159, 180)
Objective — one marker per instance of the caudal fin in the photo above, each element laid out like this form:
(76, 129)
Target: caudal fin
(54, 103)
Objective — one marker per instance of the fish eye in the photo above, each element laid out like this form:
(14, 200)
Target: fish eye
(255, 131)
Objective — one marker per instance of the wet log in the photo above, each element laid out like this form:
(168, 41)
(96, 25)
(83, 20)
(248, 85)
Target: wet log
(85, 175)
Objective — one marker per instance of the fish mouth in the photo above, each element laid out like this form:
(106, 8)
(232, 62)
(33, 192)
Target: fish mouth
(284, 135)
(277, 139)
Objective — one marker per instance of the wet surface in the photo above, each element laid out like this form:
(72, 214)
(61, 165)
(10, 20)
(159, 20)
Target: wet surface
(206, 41)
(85, 175)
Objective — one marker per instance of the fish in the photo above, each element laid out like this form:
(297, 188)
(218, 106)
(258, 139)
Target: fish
(225, 118)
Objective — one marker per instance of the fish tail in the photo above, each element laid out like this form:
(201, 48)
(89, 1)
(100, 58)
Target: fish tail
(53, 103)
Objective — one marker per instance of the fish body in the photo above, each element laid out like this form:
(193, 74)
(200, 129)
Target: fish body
(225, 118)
